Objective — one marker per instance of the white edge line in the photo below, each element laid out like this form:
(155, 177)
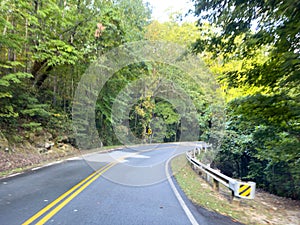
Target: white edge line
(75, 158)
(178, 196)
(37, 168)
(52, 163)
(13, 175)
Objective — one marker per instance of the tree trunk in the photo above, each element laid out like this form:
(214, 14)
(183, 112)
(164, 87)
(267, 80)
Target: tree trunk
(40, 72)
(25, 47)
(54, 90)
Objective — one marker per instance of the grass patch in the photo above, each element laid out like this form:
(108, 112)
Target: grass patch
(202, 194)
(7, 173)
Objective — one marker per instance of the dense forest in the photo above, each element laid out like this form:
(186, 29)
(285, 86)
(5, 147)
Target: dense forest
(259, 45)
(252, 49)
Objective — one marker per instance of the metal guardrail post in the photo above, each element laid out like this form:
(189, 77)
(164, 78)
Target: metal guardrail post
(207, 177)
(216, 185)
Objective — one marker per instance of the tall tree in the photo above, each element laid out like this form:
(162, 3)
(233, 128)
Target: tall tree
(244, 29)
(47, 45)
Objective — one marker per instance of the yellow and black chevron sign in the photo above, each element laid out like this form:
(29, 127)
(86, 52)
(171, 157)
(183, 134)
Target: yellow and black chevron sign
(244, 190)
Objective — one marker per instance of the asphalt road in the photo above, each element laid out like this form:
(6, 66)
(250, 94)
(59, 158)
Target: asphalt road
(130, 186)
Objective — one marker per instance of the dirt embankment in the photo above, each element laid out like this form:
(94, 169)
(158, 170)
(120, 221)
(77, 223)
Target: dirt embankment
(37, 150)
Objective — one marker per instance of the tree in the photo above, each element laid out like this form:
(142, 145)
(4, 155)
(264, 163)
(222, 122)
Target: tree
(200, 90)
(276, 26)
(16, 102)
(263, 36)
(47, 45)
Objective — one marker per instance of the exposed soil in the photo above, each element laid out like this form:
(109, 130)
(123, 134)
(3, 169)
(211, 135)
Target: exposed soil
(281, 210)
(36, 150)
(265, 208)
(25, 157)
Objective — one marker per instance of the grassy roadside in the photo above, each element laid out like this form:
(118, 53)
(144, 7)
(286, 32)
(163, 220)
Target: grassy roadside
(252, 212)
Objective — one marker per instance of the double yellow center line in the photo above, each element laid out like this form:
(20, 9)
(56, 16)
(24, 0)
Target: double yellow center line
(54, 207)
(50, 210)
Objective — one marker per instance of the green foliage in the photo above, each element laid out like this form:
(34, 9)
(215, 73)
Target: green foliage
(275, 33)
(32, 126)
(260, 151)
(45, 48)
(257, 43)
(184, 34)
(57, 52)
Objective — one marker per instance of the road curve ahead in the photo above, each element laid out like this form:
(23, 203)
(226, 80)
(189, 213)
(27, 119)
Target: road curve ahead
(128, 186)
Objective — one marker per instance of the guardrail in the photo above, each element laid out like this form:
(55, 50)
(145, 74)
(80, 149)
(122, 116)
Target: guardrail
(245, 190)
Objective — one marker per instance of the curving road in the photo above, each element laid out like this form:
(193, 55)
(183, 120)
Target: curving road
(127, 186)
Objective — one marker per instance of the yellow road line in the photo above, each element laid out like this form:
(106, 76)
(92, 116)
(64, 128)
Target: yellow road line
(60, 198)
(66, 201)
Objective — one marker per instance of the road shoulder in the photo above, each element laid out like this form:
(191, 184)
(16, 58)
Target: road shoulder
(264, 209)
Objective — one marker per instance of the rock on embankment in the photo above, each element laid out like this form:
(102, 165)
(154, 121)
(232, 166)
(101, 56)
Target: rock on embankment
(37, 149)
